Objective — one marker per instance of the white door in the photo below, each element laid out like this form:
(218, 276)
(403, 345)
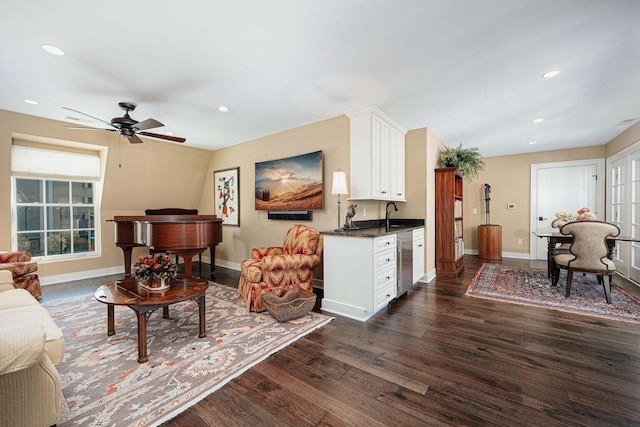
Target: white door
(563, 186)
(630, 252)
(617, 196)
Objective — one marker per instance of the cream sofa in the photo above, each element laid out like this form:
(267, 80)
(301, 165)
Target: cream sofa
(31, 344)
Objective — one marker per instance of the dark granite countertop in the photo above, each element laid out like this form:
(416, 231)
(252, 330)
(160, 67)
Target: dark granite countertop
(376, 227)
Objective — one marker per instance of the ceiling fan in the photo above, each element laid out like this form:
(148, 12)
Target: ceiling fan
(128, 127)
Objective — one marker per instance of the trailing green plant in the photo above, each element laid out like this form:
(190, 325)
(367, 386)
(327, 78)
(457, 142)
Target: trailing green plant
(468, 161)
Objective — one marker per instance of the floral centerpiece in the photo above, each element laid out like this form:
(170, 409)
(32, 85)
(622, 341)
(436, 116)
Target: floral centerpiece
(583, 214)
(152, 271)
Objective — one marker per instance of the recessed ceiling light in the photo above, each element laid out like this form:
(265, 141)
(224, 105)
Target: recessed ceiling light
(550, 74)
(170, 133)
(54, 50)
(533, 142)
(538, 120)
(31, 102)
(223, 108)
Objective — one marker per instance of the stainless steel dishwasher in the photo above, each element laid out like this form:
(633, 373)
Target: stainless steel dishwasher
(405, 262)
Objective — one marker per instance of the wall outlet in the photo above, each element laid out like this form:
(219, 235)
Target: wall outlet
(475, 210)
(364, 212)
(519, 241)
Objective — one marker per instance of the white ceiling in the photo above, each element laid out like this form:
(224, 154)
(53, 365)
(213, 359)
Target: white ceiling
(470, 70)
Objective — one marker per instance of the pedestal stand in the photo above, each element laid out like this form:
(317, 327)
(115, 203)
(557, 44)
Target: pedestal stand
(490, 242)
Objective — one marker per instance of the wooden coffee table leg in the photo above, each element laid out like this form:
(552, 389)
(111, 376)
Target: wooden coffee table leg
(142, 337)
(165, 312)
(203, 325)
(111, 329)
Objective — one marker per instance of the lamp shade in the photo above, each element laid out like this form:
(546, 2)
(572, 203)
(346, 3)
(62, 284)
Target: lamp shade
(339, 183)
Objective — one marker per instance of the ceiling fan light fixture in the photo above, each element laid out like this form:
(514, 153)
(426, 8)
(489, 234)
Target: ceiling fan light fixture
(532, 142)
(31, 102)
(537, 121)
(54, 50)
(550, 74)
(223, 108)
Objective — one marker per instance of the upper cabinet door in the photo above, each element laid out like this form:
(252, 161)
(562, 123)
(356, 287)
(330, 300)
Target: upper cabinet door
(377, 157)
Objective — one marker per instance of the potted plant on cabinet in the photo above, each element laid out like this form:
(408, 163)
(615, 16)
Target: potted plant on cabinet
(468, 161)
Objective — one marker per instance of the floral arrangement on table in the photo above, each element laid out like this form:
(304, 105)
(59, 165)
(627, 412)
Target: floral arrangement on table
(151, 269)
(583, 214)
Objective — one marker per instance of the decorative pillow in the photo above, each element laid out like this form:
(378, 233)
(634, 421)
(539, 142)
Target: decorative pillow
(301, 239)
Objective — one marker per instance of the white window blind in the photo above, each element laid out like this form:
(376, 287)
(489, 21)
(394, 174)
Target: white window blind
(31, 160)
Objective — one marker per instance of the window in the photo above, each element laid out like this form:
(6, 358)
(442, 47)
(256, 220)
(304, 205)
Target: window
(55, 201)
(55, 217)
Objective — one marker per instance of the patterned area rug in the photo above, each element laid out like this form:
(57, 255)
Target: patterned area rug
(103, 383)
(531, 286)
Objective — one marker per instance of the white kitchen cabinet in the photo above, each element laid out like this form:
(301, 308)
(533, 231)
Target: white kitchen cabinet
(377, 157)
(418, 255)
(359, 274)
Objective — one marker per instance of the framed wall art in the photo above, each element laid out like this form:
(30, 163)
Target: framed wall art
(226, 187)
(292, 183)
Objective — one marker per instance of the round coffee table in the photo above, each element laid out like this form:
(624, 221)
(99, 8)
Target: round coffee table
(127, 292)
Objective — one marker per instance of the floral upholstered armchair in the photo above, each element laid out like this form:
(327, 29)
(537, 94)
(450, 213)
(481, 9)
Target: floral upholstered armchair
(280, 268)
(23, 270)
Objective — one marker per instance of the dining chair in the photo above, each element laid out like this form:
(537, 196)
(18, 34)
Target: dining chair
(561, 248)
(588, 253)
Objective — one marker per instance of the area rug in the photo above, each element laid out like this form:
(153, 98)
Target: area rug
(104, 385)
(531, 286)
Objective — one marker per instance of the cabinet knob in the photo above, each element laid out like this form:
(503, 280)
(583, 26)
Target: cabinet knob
(388, 277)
(419, 246)
(388, 259)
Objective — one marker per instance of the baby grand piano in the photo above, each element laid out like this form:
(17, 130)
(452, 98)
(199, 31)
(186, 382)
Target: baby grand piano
(181, 235)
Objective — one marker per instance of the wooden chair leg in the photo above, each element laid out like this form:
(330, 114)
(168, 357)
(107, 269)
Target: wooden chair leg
(555, 276)
(569, 278)
(606, 282)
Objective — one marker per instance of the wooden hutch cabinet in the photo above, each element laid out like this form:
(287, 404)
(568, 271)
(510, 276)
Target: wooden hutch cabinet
(449, 242)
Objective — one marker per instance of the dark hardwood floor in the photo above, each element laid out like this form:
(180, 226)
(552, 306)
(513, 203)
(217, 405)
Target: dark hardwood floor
(435, 358)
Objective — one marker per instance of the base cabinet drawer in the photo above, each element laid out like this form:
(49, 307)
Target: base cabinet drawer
(384, 278)
(385, 259)
(384, 295)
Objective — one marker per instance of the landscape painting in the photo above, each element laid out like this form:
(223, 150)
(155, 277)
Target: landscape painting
(292, 183)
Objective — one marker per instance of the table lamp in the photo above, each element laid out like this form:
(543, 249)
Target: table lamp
(339, 187)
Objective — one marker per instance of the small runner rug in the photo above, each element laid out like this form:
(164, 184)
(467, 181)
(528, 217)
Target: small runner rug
(103, 384)
(531, 286)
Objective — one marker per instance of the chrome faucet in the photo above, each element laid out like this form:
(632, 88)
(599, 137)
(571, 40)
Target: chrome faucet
(388, 214)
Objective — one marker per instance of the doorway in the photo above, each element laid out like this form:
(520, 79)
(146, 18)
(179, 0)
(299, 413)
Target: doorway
(563, 186)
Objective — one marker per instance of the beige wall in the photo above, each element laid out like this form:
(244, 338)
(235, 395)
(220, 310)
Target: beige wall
(138, 176)
(510, 180)
(422, 154)
(624, 140)
(332, 137)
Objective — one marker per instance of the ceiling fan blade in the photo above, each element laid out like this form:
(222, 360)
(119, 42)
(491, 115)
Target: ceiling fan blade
(134, 139)
(148, 124)
(85, 114)
(160, 136)
(87, 128)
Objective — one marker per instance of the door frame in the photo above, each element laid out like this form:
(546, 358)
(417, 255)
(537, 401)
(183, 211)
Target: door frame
(600, 192)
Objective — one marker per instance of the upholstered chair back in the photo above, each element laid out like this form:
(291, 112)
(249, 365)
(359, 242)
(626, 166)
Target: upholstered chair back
(589, 247)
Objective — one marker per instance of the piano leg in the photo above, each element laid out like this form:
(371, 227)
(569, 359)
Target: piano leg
(188, 261)
(127, 252)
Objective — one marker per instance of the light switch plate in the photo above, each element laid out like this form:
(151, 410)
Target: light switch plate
(511, 205)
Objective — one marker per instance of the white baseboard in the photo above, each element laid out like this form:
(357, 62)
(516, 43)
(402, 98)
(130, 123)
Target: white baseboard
(228, 264)
(80, 275)
(516, 255)
(88, 274)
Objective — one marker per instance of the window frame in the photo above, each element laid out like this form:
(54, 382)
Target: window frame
(45, 205)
